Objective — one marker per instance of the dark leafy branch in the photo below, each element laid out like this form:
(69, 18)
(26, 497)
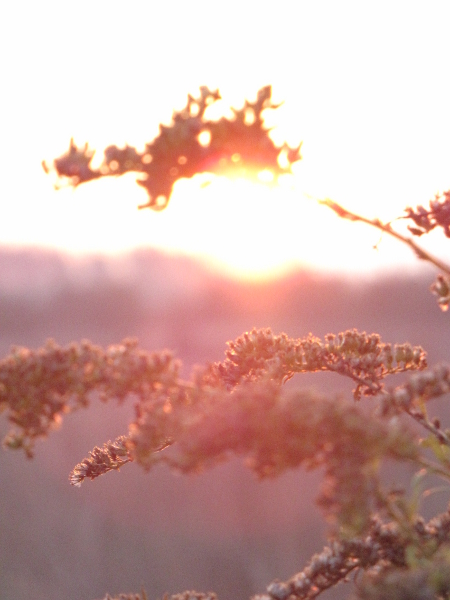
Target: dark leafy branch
(191, 144)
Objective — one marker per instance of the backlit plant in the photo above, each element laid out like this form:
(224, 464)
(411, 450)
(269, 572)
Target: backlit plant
(240, 406)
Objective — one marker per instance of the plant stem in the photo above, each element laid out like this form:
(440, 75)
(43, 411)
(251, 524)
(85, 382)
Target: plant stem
(386, 227)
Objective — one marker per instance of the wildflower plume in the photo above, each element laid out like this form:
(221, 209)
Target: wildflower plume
(385, 546)
(37, 387)
(110, 457)
(357, 355)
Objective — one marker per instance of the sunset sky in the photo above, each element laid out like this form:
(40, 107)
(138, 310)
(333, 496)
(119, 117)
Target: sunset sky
(364, 85)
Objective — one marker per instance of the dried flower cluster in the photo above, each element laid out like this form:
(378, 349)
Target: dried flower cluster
(419, 389)
(37, 387)
(256, 364)
(191, 144)
(110, 457)
(191, 596)
(441, 289)
(275, 431)
(126, 597)
(239, 407)
(188, 595)
(438, 215)
(386, 546)
(363, 358)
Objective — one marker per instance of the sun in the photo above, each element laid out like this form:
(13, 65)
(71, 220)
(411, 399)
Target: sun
(254, 231)
(233, 223)
(229, 196)
(245, 228)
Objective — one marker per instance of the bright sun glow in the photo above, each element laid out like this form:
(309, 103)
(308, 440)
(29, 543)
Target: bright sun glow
(374, 128)
(252, 230)
(236, 222)
(246, 228)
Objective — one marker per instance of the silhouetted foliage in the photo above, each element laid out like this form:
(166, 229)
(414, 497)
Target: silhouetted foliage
(438, 215)
(191, 144)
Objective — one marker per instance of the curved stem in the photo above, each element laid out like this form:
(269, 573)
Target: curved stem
(386, 227)
(418, 416)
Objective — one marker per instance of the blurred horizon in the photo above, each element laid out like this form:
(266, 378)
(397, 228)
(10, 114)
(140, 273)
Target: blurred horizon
(382, 257)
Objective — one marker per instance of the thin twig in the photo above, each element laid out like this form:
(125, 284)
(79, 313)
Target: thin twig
(418, 416)
(386, 227)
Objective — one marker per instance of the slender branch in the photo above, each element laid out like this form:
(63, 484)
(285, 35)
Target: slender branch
(433, 427)
(386, 227)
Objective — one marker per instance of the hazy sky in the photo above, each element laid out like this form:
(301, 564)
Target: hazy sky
(365, 87)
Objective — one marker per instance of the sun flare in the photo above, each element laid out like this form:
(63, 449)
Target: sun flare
(243, 227)
(247, 228)
(252, 230)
